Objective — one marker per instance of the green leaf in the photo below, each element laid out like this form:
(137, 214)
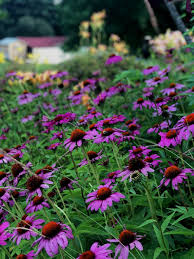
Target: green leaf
(158, 235)
(188, 214)
(180, 232)
(166, 222)
(157, 252)
(147, 222)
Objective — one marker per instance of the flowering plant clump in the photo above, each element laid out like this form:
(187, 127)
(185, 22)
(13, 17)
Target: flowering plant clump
(98, 165)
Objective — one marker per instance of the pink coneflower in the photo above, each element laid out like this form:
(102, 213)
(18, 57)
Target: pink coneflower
(66, 183)
(76, 97)
(134, 129)
(3, 233)
(186, 126)
(172, 88)
(54, 146)
(152, 160)
(172, 137)
(76, 140)
(126, 136)
(113, 59)
(54, 235)
(158, 102)
(3, 136)
(26, 228)
(150, 70)
(93, 157)
(35, 183)
(37, 203)
(156, 80)
(27, 118)
(57, 135)
(164, 71)
(157, 126)
(111, 177)
(100, 99)
(30, 255)
(135, 164)
(18, 171)
(127, 240)
(140, 103)
(148, 91)
(103, 197)
(107, 135)
(4, 159)
(4, 195)
(176, 175)
(165, 110)
(96, 252)
(138, 151)
(3, 178)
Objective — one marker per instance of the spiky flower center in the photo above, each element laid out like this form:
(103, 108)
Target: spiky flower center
(106, 122)
(64, 182)
(137, 150)
(111, 175)
(2, 175)
(51, 229)
(172, 172)
(156, 79)
(171, 134)
(159, 99)
(128, 122)
(47, 169)
(156, 125)
(132, 127)
(1, 156)
(87, 255)
(140, 100)
(77, 135)
(33, 183)
(126, 133)
(148, 159)
(126, 237)
(23, 224)
(92, 154)
(112, 55)
(189, 119)
(103, 193)
(92, 126)
(38, 200)
(76, 92)
(2, 192)
(16, 169)
(58, 118)
(172, 94)
(15, 194)
(107, 132)
(172, 85)
(165, 107)
(149, 67)
(21, 256)
(136, 164)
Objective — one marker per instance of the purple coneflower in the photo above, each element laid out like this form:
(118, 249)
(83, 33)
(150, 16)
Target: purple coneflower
(176, 175)
(150, 70)
(157, 126)
(18, 171)
(107, 135)
(172, 137)
(186, 126)
(103, 197)
(26, 228)
(152, 160)
(111, 177)
(113, 59)
(35, 183)
(4, 159)
(127, 240)
(93, 157)
(66, 184)
(3, 177)
(135, 165)
(140, 103)
(54, 146)
(54, 235)
(97, 252)
(4, 195)
(37, 203)
(3, 233)
(156, 80)
(172, 88)
(77, 138)
(30, 255)
(27, 118)
(165, 110)
(164, 71)
(138, 151)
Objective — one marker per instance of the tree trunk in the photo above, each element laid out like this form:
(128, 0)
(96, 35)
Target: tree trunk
(153, 18)
(177, 19)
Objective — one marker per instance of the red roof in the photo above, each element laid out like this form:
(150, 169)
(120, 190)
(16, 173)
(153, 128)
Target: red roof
(43, 41)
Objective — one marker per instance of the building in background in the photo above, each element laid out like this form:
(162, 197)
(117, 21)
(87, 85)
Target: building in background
(45, 49)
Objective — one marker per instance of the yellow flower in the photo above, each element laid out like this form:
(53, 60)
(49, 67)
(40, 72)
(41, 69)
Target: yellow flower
(93, 50)
(102, 47)
(84, 34)
(2, 58)
(85, 25)
(114, 37)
